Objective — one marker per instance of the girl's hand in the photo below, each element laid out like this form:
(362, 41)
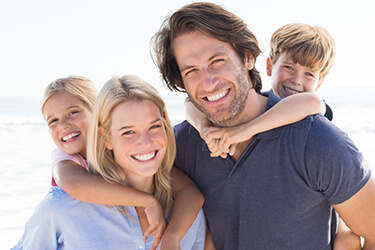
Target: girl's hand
(157, 222)
(170, 243)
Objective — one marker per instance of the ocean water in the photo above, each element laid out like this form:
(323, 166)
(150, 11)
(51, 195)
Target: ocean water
(25, 147)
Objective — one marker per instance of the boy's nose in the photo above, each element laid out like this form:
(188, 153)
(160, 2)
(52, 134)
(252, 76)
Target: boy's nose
(297, 79)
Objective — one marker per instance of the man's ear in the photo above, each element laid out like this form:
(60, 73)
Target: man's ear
(269, 67)
(107, 141)
(249, 61)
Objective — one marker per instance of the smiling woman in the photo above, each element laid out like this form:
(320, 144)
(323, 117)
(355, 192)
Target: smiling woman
(130, 143)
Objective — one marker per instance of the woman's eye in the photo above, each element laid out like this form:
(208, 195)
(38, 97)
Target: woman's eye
(128, 132)
(155, 126)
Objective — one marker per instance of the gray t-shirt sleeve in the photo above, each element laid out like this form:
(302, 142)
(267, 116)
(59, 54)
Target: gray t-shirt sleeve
(335, 165)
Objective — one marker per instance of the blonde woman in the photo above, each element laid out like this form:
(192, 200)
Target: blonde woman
(130, 142)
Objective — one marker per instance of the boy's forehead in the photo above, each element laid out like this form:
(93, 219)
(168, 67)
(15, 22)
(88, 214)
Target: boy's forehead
(304, 61)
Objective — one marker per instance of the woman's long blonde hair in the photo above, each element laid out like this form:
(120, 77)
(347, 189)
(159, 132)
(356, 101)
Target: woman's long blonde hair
(101, 160)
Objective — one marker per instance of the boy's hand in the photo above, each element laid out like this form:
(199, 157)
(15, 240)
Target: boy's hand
(157, 223)
(219, 141)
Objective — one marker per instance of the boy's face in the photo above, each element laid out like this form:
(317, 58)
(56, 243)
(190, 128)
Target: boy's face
(288, 78)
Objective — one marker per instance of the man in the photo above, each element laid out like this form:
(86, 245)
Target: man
(278, 189)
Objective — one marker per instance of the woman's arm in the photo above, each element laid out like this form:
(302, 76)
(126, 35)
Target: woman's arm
(87, 187)
(288, 110)
(188, 201)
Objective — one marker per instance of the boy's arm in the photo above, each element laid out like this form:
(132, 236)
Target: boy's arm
(87, 187)
(359, 213)
(188, 201)
(195, 117)
(288, 110)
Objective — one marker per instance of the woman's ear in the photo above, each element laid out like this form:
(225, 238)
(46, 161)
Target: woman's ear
(107, 141)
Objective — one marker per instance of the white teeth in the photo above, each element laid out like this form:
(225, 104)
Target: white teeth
(218, 96)
(292, 91)
(144, 157)
(65, 138)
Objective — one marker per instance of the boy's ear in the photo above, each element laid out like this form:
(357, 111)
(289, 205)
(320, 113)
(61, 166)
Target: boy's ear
(319, 84)
(249, 61)
(107, 141)
(269, 67)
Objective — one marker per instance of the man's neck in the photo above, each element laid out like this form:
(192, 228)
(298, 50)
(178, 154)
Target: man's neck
(256, 106)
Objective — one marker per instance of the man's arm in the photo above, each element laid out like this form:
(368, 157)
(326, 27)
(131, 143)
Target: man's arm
(359, 213)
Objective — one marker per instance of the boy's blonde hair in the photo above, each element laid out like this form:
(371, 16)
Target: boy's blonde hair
(101, 160)
(78, 86)
(309, 46)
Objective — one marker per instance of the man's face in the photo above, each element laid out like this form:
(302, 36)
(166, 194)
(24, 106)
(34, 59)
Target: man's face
(215, 78)
(288, 78)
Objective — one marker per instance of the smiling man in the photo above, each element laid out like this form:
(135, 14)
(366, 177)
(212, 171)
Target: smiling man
(279, 188)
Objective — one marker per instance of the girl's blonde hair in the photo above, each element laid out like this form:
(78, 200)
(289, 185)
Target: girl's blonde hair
(78, 86)
(101, 160)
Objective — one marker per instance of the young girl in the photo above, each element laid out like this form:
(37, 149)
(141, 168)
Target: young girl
(130, 143)
(67, 106)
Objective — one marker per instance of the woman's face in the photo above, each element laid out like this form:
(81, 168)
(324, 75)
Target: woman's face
(138, 139)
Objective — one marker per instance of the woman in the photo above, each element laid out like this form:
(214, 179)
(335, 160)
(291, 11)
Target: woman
(130, 141)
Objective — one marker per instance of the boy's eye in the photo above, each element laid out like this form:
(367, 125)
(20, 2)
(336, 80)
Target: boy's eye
(288, 67)
(309, 74)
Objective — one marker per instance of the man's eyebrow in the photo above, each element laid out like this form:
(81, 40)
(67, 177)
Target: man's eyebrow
(220, 53)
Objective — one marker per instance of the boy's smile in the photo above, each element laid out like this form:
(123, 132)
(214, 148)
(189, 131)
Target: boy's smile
(289, 78)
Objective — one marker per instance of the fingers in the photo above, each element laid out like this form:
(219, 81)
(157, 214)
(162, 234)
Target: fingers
(157, 233)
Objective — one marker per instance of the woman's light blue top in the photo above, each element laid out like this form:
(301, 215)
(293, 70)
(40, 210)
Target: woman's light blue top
(61, 222)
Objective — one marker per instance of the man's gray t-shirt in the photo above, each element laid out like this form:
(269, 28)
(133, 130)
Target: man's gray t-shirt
(278, 194)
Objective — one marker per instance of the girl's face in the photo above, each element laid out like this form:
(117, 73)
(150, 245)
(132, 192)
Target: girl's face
(68, 119)
(138, 140)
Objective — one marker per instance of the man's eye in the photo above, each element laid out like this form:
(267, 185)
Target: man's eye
(190, 71)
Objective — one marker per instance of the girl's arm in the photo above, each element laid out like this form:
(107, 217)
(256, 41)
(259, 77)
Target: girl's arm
(288, 110)
(188, 201)
(87, 187)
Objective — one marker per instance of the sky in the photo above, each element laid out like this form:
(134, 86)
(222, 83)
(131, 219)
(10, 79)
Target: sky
(42, 40)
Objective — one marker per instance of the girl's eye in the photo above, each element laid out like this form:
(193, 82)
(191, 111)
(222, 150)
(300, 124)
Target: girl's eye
(309, 74)
(73, 112)
(217, 61)
(52, 121)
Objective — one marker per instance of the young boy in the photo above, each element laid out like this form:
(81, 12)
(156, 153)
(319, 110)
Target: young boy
(300, 58)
